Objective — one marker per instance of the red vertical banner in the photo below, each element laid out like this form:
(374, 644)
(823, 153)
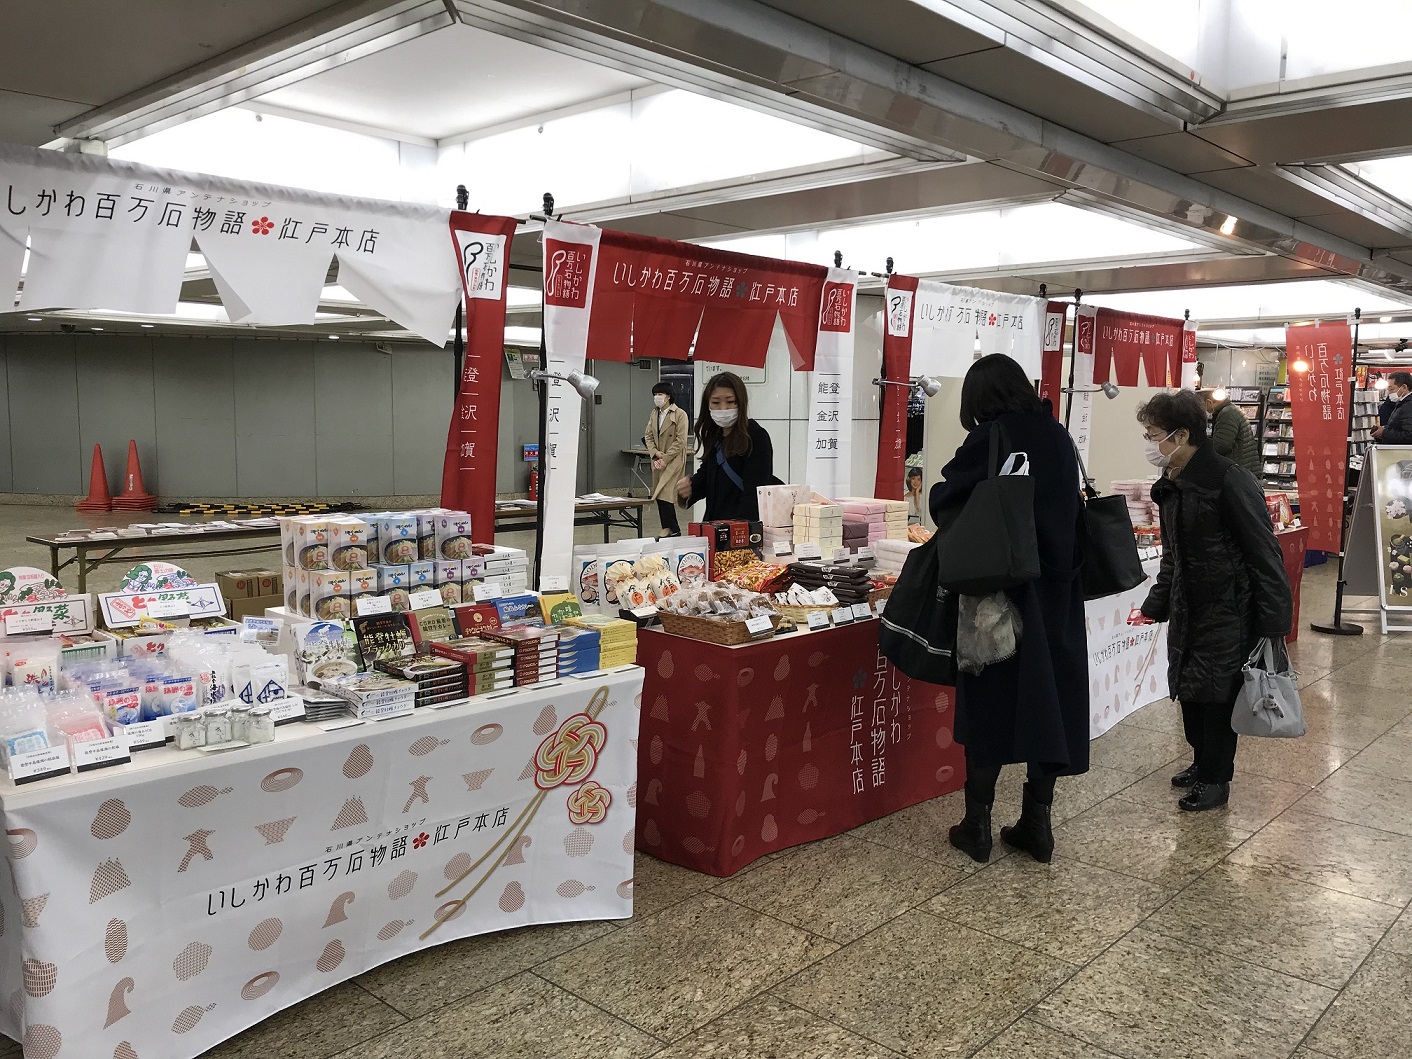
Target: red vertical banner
(897, 367)
(1321, 365)
(1051, 380)
(472, 441)
(1184, 373)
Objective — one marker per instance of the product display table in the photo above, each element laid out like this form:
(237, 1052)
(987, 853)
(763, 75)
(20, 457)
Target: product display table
(160, 907)
(89, 553)
(751, 749)
(625, 514)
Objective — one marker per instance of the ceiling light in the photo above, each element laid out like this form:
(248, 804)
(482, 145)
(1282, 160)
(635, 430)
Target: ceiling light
(35, 319)
(95, 329)
(1381, 384)
(1300, 366)
(1385, 319)
(333, 338)
(1220, 393)
(1228, 226)
(149, 325)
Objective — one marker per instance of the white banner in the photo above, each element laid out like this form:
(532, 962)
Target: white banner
(1188, 379)
(570, 263)
(159, 909)
(949, 321)
(112, 235)
(828, 465)
(1127, 664)
(1080, 417)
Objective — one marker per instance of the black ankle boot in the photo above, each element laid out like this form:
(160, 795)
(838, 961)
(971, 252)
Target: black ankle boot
(972, 835)
(1032, 833)
(1185, 778)
(1206, 796)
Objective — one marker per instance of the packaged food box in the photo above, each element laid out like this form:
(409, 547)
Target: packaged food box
(453, 535)
(397, 540)
(313, 538)
(349, 541)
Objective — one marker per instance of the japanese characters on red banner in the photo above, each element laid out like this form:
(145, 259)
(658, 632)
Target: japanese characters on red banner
(472, 441)
(897, 367)
(113, 235)
(1319, 404)
(829, 456)
(1131, 337)
(1051, 381)
(1081, 408)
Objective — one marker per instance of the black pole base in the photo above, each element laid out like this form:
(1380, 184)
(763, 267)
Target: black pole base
(1338, 629)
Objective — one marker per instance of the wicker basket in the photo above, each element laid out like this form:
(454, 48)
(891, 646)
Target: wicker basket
(725, 633)
(880, 593)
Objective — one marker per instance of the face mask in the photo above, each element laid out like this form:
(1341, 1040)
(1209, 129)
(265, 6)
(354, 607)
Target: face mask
(1396, 398)
(724, 417)
(1154, 453)
(660, 400)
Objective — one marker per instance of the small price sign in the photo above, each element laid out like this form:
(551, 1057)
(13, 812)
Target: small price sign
(818, 619)
(861, 612)
(757, 625)
(808, 550)
(427, 597)
(34, 621)
(373, 605)
(487, 592)
(169, 608)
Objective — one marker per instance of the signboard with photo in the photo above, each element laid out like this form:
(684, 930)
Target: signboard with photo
(1392, 502)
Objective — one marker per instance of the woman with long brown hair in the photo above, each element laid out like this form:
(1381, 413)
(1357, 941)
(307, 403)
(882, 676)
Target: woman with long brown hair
(736, 453)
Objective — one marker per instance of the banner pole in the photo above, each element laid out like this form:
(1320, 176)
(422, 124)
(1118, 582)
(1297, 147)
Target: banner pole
(458, 340)
(1338, 627)
(545, 469)
(1073, 359)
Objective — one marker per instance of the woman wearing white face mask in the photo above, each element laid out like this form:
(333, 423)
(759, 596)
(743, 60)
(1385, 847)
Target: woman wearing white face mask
(1222, 585)
(666, 434)
(736, 453)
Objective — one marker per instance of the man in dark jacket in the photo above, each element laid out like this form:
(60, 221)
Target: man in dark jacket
(1231, 435)
(1396, 428)
(1222, 585)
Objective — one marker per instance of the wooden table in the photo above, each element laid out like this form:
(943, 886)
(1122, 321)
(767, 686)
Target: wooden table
(90, 554)
(625, 514)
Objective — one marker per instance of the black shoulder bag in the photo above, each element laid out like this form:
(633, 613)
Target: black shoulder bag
(1111, 562)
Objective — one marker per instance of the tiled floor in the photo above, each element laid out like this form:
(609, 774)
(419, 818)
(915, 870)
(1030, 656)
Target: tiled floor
(1275, 929)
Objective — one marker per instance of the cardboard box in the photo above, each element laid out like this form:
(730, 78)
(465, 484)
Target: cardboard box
(253, 606)
(237, 584)
(268, 582)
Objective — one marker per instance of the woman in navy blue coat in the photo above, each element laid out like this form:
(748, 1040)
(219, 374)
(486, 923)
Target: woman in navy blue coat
(1032, 708)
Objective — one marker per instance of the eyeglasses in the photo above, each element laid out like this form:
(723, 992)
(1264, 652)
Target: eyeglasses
(1148, 435)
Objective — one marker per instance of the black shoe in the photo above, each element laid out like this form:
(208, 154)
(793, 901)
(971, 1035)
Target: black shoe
(1032, 833)
(1185, 778)
(1205, 796)
(972, 835)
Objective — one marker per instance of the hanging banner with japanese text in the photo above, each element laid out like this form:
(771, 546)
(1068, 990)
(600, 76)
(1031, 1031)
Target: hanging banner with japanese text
(829, 458)
(1130, 338)
(1051, 380)
(950, 324)
(1318, 400)
(104, 234)
(1079, 416)
(890, 483)
(482, 246)
(1188, 375)
(655, 297)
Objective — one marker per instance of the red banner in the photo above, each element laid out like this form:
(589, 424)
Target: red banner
(653, 297)
(1051, 380)
(472, 441)
(1318, 397)
(890, 482)
(1131, 337)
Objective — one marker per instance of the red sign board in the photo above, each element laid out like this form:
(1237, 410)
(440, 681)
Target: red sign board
(1318, 397)
(1128, 338)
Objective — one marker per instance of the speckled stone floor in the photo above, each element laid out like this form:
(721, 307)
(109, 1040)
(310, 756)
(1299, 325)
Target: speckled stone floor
(1277, 928)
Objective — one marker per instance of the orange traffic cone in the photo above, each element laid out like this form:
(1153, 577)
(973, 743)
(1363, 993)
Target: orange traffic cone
(98, 499)
(135, 496)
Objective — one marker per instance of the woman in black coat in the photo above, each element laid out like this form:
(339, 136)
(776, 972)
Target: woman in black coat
(1222, 585)
(1033, 707)
(737, 455)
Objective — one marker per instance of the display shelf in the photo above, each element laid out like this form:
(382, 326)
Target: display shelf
(1276, 437)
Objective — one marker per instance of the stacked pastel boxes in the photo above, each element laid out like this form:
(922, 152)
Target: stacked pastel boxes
(578, 651)
(506, 567)
(489, 666)
(892, 554)
(820, 524)
(326, 564)
(777, 503)
(1138, 493)
(536, 652)
(437, 679)
(617, 644)
(887, 519)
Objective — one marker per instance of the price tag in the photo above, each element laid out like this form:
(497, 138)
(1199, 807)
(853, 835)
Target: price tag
(100, 753)
(260, 630)
(487, 592)
(843, 616)
(39, 764)
(34, 621)
(818, 619)
(862, 612)
(373, 605)
(334, 726)
(864, 553)
(169, 608)
(808, 550)
(427, 597)
(290, 708)
(557, 583)
(645, 613)
(840, 555)
(783, 547)
(758, 625)
(880, 606)
(148, 735)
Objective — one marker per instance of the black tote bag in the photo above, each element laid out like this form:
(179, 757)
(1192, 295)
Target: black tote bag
(918, 625)
(991, 544)
(1111, 562)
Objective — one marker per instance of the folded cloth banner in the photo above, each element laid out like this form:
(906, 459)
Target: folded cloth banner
(113, 235)
(1079, 416)
(897, 367)
(1188, 376)
(653, 297)
(1318, 400)
(1130, 337)
(828, 465)
(482, 247)
(949, 321)
(1051, 380)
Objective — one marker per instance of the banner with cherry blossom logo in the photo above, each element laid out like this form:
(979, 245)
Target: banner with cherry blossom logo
(889, 483)
(112, 235)
(1051, 381)
(1318, 398)
(828, 464)
(953, 325)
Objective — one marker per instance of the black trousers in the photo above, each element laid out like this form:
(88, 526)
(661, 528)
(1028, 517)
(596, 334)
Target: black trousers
(981, 780)
(1213, 743)
(667, 511)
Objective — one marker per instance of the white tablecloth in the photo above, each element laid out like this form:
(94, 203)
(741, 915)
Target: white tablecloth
(1127, 664)
(160, 907)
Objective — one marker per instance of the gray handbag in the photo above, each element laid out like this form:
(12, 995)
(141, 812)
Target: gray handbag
(1268, 704)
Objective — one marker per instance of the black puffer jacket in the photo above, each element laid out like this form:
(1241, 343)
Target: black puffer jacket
(1222, 585)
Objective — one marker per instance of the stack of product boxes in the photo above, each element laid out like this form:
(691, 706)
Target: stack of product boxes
(892, 554)
(489, 666)
(324, 558)
(617, 644)
(435, 678)
(777, 503)
(536, 652)
(578, 651)
(820, 524)
(886, 519)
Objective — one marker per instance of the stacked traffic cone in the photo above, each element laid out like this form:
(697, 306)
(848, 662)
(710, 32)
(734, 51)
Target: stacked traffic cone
(135, 496)
(98, 499)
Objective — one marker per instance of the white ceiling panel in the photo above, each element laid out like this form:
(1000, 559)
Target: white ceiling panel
(453, 81)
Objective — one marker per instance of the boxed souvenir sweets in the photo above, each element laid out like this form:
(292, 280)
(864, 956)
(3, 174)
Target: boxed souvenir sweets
(438, 679)
(777, 503)
(349, 543)
(489, 666)
(578, 651)
(536, 652)
(617, 638)
(374, 696)
(518, 608)
(554, 607)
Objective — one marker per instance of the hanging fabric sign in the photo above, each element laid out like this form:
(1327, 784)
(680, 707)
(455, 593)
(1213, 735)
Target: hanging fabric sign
(654, 297)
(1188, 373)
(472, 441)
(112, 235)
(950, 322)
(1129, 338)
(829, 456)
(1051, 378)
(1080, 415)
(1318, 401)
(890, 483)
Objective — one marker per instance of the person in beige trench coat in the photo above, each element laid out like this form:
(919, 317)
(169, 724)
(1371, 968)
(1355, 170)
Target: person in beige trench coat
(668, 429)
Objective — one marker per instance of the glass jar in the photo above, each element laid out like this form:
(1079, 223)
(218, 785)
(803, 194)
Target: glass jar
(261, 725)
(190, 731)
(240, 723)
(218, 725)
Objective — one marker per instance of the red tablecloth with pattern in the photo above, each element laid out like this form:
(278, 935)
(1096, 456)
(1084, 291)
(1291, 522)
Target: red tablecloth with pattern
(1293, 544)
(747, 750)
